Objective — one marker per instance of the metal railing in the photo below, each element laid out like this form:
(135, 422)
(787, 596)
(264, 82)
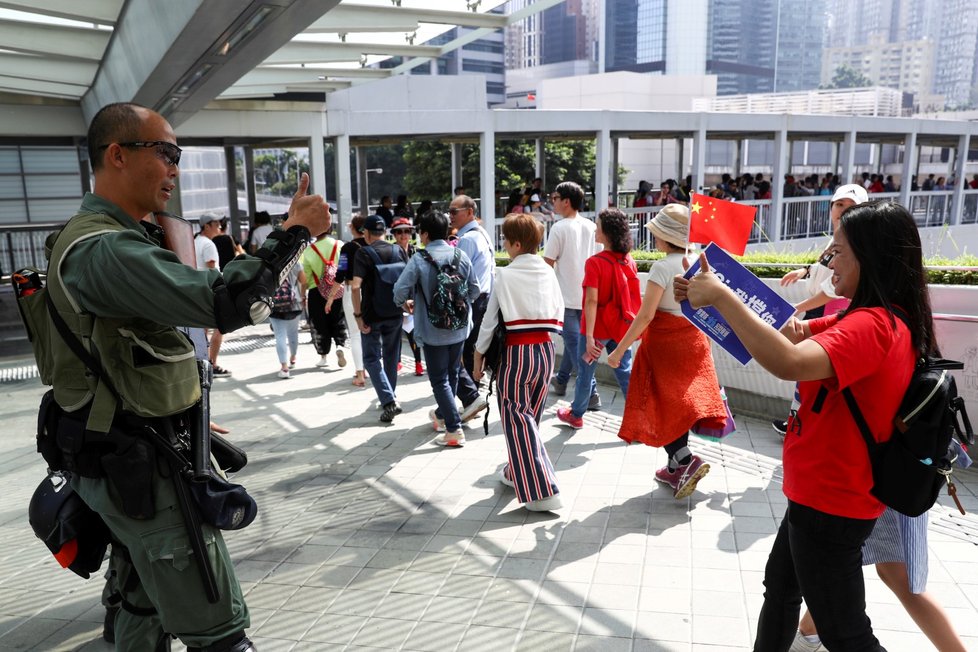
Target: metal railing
(801, 217)
(23, 246)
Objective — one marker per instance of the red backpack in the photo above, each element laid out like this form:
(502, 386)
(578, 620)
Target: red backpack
(626, 296)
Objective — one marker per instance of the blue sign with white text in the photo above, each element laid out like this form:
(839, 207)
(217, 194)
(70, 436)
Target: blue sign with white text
(764, 301)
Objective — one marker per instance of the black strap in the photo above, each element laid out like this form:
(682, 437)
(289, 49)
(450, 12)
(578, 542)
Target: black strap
(90, 361)
(857, 416)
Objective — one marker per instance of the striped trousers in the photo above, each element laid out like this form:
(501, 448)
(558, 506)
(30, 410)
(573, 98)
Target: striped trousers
(523, 382)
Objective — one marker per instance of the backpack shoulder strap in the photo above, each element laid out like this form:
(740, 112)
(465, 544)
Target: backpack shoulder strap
(374, 256)
(427, 256)
(857, 416)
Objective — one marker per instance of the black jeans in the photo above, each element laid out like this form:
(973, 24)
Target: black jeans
(818, 556)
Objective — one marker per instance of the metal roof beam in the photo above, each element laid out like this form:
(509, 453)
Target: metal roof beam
(103, 12)
(307, 52)
(268, 75)
(49, 70)
(475, 35)
(372, 18)
(55, 40)
(49, 89)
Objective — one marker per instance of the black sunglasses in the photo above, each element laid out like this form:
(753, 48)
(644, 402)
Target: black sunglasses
(168, 152)
(458, 209)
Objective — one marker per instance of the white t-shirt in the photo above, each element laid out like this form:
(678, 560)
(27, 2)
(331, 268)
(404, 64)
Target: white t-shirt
(206, 251)
(261, 232)
(661, 273)
(571, 242)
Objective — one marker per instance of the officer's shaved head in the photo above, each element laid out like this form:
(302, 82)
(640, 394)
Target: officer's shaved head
(114, 123)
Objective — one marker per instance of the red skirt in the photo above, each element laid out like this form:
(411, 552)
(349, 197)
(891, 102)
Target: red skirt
(673, 386)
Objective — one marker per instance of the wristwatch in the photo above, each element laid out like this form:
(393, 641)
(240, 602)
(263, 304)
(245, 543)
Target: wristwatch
(357, 315)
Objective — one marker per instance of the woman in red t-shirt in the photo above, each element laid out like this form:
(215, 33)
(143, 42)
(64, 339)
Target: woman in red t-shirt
(817, 554)
(612, 296)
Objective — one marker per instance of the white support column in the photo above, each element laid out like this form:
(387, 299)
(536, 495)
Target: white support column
(487, 181)
(849, 162)
(232, 172)
(602, 178)
(456, 167)
(541, 161)
(909, 167)
(317, 162)
(680, 157)
(699, 160)
(249, 161)
(362, 190)
(614, 172)
(960, 161)
(781, 166)
(344, 184)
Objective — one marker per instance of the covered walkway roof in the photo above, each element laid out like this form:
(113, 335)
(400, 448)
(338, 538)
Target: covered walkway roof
(179, 55)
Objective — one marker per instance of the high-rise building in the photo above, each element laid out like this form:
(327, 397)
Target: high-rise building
(800, 39)
(742, 45)
(956, 75)
(923, 47)
(483, 56)
(905, 65)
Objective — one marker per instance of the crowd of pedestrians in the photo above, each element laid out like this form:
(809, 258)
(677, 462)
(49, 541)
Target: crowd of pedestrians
(437, 286)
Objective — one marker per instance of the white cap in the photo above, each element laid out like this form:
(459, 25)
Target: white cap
(852, 191)
(535, 197)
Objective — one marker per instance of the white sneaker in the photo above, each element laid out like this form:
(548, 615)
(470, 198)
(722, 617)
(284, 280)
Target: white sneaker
(436, 423)
(548, 504)
(800, 644)
(323, 362)
(451, 439)
(340, 358)
(283, 373)
(502, 476)
(474, 408)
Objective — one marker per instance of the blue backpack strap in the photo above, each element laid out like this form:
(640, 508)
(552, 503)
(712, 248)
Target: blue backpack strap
(374, 256)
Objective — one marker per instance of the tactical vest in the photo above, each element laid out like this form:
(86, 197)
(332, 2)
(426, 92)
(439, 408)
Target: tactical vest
(151, 366)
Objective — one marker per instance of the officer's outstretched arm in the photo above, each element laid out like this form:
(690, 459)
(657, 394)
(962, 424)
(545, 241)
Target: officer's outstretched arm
(243, 295)
(245, 298)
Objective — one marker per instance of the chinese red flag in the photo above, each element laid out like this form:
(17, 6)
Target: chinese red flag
(725, 223)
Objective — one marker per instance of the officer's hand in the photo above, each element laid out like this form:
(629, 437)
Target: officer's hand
(310, 211)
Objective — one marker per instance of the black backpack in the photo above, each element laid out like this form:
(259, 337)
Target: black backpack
(449, 305)
(911, 467)
(385, 276)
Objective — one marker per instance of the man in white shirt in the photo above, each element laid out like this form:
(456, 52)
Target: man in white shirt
(570, 243)
(210, 226)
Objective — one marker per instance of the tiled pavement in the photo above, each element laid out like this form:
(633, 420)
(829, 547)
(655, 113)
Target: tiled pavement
(371, 538)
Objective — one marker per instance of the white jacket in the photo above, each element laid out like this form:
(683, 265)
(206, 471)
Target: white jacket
(527, 295)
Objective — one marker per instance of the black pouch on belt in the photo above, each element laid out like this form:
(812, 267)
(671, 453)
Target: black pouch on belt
(131, 469)
(48, 416)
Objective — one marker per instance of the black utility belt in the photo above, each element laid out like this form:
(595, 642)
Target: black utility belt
(122, 455)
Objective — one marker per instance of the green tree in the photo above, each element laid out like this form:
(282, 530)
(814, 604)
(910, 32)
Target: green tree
(277, 171)
(848, 77)
(429, 175)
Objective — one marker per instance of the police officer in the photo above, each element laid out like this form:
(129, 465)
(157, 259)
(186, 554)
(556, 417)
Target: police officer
(122, 296)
